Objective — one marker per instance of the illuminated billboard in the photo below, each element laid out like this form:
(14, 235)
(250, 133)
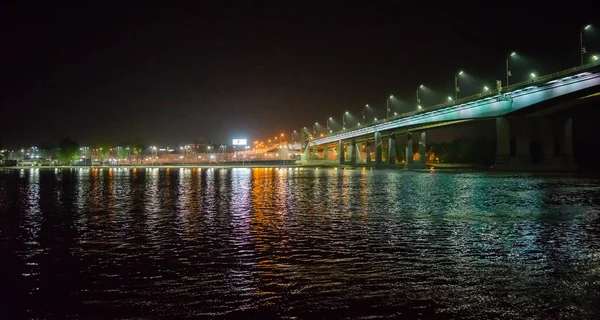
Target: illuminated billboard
(239, 142)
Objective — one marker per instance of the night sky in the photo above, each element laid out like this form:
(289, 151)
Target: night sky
(245, 69)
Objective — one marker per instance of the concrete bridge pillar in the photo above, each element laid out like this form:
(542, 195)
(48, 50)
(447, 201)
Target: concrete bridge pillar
(341, 155)
(408, 151)
(368, 151)
(306, 154)
(546, 138)
(422, 149)
(502, 141)
(523, 154)
(326, 152)
(392, 149)
(568, 141)
(378, 155)
(353, 151)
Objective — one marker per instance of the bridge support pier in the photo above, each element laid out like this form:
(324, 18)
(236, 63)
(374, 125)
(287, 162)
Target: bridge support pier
(368, 151)
(353, 151)
(549, 160)
(408, 151)
(502, 142)
(392, 149)
(305, 154)
(326, 152)
(341, 155)
(522, 141)
(421, 163)
(378, 155)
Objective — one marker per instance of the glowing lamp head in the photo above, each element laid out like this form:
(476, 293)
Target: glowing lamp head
(587, 27)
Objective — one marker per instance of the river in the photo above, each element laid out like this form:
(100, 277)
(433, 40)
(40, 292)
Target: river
(297, 243)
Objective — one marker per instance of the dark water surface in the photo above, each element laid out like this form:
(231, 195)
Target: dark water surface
(297, 243)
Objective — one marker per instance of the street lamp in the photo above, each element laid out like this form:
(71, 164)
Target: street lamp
(450, 98)
(456, 89)
(315, 128)
(583, 51)
(330, 119)
(486, 89)
(532, 76)
(363, 113)
(387, 102)
(419, 100)
(344, 120)
(508, 74)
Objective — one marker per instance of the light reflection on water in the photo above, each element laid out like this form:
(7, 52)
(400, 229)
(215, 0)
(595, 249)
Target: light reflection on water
(291, 242)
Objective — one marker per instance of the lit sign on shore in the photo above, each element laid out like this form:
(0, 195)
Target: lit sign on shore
(239, 142)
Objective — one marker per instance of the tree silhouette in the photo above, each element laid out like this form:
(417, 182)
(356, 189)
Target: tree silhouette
(68, 151)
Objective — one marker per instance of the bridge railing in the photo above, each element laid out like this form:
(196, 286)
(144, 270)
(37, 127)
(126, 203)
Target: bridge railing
(479, 96)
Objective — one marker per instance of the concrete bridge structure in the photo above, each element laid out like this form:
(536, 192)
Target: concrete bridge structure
(523, 113)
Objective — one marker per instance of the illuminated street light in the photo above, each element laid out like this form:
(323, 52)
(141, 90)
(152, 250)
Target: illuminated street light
(344, 120)
(486, 89)
(387, 103)
(449, 98)
(532, 75)
(595, 57)
(419, 100)
(508, 73)
(456, 88)
(330, 119)
(582, 48)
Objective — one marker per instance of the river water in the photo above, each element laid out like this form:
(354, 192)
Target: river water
(297, 243)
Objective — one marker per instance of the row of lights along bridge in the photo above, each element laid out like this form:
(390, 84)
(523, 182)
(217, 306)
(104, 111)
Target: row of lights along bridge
(486, 89)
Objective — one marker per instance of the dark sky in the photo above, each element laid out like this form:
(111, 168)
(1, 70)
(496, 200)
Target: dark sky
(248, 69)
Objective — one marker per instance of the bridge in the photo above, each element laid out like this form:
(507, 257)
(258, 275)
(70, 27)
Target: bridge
(507, 104)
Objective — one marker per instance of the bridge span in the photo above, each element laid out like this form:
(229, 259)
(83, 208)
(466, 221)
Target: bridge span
(520, 98)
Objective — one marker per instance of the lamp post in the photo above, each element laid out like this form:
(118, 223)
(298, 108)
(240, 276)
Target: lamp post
(344, 120)
(315, 128)
(532, 77)
(329, 130)
(582, 48)
(508, 74)
(387, 103)
(419, 100)
(363, 113)
(456, 89)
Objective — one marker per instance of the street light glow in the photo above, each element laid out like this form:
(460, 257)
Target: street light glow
(460, 72)
(449, 98)
(391, 96)
(485, 88)
(347, 112)
(595, 57)
(587, 27)
(533, 75)
(421, 86)
(513, 54)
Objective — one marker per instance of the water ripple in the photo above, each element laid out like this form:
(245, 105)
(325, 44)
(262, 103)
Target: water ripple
(298, 243)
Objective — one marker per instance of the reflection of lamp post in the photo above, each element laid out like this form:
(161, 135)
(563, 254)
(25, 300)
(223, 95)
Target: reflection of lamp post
(456, 89)
(419, 100)
(583, 51)
(508, 74)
